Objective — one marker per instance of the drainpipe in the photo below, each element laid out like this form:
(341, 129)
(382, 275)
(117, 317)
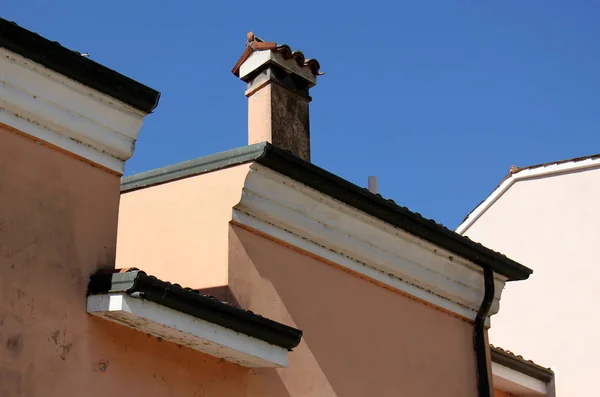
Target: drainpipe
(483, 378)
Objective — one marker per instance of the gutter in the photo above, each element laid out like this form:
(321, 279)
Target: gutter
(481, 347)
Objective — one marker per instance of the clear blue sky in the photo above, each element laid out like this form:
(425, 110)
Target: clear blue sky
(436, 98)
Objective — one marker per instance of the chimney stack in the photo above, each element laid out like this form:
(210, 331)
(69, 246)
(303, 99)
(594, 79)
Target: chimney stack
(278, 82)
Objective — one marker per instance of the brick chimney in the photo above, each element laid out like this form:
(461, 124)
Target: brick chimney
(278, 82)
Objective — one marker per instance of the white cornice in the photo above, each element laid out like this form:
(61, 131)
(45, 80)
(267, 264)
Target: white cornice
(517, 383)
(525, 174)
(64, 113)
(185, 330)
(300, 216)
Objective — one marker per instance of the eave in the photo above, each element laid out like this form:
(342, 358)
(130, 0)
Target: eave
(340, 189)
(73, 65)
(183, 316)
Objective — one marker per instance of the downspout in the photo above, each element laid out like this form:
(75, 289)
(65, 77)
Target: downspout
(483, 378)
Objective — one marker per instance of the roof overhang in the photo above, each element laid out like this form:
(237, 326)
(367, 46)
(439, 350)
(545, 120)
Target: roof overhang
(187, 318)
(340, 190)
(520, 377)
(73, 65)
(303, 206)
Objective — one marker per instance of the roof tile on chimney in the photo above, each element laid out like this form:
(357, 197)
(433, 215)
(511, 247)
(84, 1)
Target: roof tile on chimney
(253, 43)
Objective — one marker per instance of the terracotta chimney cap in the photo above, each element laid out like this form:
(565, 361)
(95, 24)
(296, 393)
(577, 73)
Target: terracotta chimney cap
(282, 54)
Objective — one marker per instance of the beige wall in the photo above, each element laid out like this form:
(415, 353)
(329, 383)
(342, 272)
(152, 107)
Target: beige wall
(58, 223)
(550, 224)
(178, 231)
(359, 339)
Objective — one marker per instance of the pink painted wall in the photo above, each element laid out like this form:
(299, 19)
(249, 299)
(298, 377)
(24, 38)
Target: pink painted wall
(178, 231)
(58, 224)
(359, 339)
(550, 224)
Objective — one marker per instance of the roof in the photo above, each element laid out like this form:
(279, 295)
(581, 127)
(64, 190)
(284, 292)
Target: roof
(137, 283)
(338, 188)
(77, 67)
(521, 173)
(517, 169)
(518, 363)
(253, 43)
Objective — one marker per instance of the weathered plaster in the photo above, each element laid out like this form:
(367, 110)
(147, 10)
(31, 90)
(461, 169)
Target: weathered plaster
(58, 224)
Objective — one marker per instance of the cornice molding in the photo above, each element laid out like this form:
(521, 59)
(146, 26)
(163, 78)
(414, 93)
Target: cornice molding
(66, 114)
(291, 212)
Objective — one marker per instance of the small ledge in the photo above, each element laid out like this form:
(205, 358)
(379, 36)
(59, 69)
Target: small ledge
(185, 317)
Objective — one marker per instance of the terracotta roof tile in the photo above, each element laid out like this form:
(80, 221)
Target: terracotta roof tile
(253, 43)
(518, 363)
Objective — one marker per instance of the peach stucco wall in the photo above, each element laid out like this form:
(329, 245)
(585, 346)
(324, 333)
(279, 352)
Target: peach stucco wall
(178, 231)
(58, 223)
(551, 224)
(360, 339)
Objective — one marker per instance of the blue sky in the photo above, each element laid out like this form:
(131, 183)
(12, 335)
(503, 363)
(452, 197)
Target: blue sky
(437, 98)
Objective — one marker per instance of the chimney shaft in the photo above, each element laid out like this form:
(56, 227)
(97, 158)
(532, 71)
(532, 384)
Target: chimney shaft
(278, 82)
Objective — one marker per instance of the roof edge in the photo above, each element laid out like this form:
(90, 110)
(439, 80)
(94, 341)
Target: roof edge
(390, 212)
(73, 65)
(502, 357)
(531, 172)
(188, 301)
(198, 166)
(340, 189)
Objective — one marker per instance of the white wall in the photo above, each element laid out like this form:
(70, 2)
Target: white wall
(552, 225)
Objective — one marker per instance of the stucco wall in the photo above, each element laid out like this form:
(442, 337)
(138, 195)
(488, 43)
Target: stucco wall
(360, 339)
(551, 225)
(178, 231)
(58, 223)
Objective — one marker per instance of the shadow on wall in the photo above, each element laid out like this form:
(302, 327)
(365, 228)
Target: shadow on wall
(253, 290)
(360, 339)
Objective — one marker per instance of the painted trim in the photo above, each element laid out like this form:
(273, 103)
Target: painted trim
(64, 113)
(518, 383)
(186, 330)
(289, 211)
(525, 174)
(76, 67)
